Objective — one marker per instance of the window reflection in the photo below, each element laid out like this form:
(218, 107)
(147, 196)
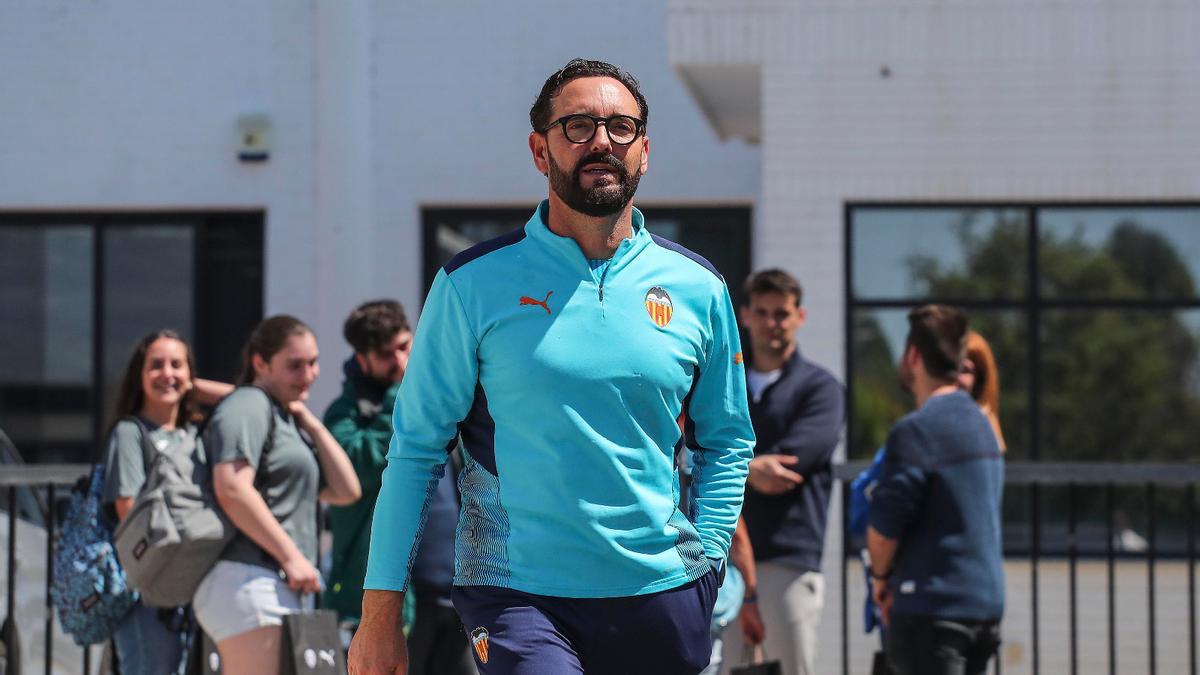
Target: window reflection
(949, 252)
(1106, 253)
(148, 283)
(46, 361)
(879, 402)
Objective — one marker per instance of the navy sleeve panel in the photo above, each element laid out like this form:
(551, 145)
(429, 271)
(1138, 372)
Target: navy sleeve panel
(483, 248)
(691, 255)
(478, 432)
(900, 492)
(813, 434)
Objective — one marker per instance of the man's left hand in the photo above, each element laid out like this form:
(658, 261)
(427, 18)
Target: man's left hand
(770, 475)
(881, 593)
(753, 631)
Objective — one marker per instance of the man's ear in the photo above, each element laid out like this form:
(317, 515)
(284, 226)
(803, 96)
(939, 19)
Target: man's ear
(645, 163)
(802, 315)
(539, 148)
(361, 359)
(743, 316)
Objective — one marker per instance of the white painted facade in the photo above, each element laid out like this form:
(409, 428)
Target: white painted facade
(954, 101)
(377, 109)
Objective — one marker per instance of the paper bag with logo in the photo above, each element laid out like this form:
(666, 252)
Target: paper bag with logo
(311, 645)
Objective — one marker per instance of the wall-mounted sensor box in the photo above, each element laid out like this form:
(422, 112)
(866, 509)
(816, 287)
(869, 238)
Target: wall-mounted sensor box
(253, 138)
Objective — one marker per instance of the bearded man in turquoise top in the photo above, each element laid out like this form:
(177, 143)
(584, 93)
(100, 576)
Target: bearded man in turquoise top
(564, 354)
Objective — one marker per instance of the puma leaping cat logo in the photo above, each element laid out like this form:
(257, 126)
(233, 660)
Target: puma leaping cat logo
(526, 300)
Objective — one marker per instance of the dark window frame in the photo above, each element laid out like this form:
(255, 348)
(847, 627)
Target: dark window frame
(1033, 306)
(101, 223)
(741, 214)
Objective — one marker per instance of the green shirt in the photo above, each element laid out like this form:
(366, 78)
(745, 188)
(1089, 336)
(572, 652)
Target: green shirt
(288, 481)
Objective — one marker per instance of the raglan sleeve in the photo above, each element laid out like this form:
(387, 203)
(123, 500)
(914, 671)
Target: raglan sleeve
(719, 433)
(899, 494)
(435, 395)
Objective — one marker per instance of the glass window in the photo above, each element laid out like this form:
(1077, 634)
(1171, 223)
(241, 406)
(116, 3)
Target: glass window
(1103, 360)
(1118, 254)
(879, 401)
(974, 253)
(67, 339)
(720, 234)
(46, 363)
(148, 286)
(1120, 385)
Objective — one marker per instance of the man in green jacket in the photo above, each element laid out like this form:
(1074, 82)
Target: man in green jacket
(361, 421)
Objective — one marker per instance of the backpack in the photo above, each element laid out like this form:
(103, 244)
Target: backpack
(176, 531)
(89, 588)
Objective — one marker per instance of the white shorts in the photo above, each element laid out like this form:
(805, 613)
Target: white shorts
(237, 597)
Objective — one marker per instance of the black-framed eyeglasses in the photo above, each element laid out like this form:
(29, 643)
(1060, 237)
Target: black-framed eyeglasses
(579, 128)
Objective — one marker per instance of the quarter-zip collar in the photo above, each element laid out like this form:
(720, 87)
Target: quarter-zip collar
(629, 248)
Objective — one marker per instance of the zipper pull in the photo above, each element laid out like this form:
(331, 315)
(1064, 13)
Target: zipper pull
(601, 292)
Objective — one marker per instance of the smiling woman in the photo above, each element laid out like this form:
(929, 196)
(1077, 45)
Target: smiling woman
(155, 398)
(272, 459)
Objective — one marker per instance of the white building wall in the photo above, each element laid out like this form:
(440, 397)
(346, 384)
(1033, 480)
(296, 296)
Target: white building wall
(377, 109)
(1067, 100)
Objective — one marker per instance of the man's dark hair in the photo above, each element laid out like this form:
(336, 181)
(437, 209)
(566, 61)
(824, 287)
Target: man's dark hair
(772, 280)
(539, 114)
(939, 332)
(373, 324)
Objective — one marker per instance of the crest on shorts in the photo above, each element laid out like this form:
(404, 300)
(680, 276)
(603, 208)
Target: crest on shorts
(479, 640)
(659, 306)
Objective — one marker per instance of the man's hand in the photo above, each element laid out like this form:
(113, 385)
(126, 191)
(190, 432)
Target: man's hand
(770, 475)
(881, 593)
(378, 647)
(753, 631)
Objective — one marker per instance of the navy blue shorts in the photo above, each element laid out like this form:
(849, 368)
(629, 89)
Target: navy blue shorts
(515, 633)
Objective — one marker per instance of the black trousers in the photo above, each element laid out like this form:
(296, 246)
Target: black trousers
(921, 645)
(437, 644)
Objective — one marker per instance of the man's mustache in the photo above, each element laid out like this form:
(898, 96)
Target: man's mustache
(600, 158)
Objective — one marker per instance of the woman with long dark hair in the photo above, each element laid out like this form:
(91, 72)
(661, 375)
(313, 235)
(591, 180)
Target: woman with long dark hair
(154, 410)
(272, 459)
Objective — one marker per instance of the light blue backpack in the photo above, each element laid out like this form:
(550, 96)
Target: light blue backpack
(89, 588)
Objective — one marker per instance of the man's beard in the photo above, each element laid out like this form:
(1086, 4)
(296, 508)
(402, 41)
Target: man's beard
(599, 200)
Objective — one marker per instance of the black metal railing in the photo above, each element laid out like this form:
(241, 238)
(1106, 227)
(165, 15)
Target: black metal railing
(39, 485)
(1095, 484)
(30, 494)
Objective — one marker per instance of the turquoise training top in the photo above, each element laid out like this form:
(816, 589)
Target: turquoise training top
(566, 388)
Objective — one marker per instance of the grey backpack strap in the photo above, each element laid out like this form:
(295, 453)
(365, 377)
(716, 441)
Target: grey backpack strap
(149, 452)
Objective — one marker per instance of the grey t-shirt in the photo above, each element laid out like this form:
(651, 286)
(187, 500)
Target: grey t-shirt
(125, 462)
(289, 481)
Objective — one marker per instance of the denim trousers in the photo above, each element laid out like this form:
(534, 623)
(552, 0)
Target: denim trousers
(151, 641)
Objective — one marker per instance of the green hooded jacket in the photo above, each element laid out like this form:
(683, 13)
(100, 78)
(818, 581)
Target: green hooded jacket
(361, 422)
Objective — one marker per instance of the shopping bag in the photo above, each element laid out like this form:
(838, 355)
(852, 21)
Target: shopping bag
(205, 658)
(756, 663)
(311, 644)
(879, 666)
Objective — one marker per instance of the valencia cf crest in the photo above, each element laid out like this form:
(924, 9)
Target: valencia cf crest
(479, 640)
(658, 304)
